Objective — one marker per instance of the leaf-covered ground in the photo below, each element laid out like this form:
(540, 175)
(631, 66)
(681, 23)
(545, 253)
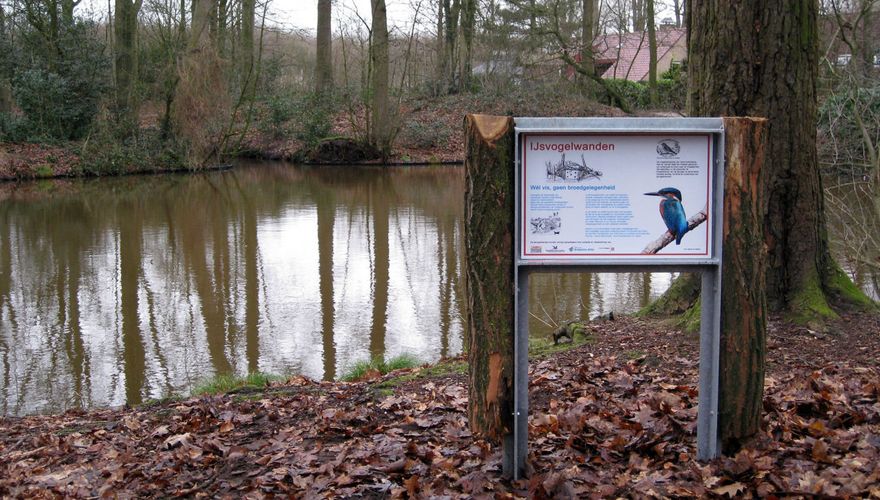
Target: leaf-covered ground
(615, 417)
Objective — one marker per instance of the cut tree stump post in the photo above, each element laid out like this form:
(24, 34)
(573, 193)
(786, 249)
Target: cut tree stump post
(734, 392)
(489, 232)
(743, 289)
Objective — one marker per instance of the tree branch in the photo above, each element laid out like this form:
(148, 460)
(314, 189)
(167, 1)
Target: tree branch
(667, 237)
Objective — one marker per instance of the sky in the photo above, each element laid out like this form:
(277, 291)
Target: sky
(303, 14)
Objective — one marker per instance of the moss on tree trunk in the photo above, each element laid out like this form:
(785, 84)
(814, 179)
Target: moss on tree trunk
(760, 59)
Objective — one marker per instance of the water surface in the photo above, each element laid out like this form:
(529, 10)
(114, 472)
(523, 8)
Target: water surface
(120, 290)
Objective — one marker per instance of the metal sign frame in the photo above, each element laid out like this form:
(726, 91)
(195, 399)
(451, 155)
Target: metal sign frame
(515, 447)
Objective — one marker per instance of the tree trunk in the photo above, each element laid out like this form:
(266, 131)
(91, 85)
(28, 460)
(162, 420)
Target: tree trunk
(126, 66)
(587, 35)
(381, 116)
(452, 13)
(247, 46)
(652, 54)
(182, 26)
(67, 7)
(489, 197)
(324, 57)
(760, 59)
(221, 15)
(5, 83)
(743, 295)
(468, 26)
(438, 87)
(201, 18)
(638, 15)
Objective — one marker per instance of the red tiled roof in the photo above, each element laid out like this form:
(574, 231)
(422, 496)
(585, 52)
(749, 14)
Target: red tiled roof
(628, 53)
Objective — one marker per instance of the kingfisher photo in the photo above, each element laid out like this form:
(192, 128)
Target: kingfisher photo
(672, 212)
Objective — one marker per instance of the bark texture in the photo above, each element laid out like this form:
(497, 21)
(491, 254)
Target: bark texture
(652, 53)
(755, 58)
(126, 65)
(324, 58)
(489, 199)
(588, 15)
(743, 295)
(381, 127)
(248, 8)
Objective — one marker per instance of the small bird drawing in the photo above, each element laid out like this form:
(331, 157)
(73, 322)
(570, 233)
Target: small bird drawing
(672, 212)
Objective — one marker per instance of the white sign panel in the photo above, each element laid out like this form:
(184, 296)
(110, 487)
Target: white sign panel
(615, 195)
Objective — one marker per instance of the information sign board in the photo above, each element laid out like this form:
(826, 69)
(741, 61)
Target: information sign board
(588, 195)
(619, 195)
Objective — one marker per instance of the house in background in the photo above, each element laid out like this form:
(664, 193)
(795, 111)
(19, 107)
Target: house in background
(626, 56)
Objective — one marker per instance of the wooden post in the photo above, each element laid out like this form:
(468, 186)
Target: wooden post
(743, 289)
(489, 232)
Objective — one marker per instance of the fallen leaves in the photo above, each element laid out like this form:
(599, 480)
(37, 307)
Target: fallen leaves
(601, 425)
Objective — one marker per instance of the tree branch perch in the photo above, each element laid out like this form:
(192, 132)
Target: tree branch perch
(667, 237)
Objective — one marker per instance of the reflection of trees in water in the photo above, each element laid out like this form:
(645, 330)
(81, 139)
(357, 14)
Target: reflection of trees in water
(130, 261)
(165, 275)
(556, 298)
(326, 210)
(7, 311)
(379, 214)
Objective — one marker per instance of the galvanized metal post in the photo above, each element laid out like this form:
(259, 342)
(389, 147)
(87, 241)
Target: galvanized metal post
(710, 345)
(521, 375)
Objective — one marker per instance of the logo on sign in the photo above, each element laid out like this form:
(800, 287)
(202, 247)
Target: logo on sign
(535, 249)
(668, 148)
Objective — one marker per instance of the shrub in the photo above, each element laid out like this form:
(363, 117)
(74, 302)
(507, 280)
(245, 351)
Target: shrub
(104, 154)
(307, 116)
(315, 113)
(846, 117)
(635, 93)
(418, 134)
(670, 93)
(58, 92)
(14, 128)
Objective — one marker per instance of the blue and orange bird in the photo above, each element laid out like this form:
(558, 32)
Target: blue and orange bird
(672, 212)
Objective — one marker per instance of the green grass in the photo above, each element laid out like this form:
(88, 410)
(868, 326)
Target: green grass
(222, 384)
(362, 368)
(634, 354)
(433, 371)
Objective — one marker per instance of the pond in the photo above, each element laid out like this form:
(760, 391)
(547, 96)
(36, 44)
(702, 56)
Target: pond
(121, 290)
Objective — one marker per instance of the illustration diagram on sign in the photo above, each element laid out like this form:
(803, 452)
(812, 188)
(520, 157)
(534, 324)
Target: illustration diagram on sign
(668, 148)
(542, 225)
(565, 170)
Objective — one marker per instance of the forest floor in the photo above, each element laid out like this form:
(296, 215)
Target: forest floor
(614, 416)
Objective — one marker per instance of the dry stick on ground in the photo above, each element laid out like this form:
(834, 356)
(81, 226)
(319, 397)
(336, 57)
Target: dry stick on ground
(667, 237)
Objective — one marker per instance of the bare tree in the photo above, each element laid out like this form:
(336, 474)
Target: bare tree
(324, 57)
(588, 17)
(126, 65)
(652, 53)
(381, 129)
